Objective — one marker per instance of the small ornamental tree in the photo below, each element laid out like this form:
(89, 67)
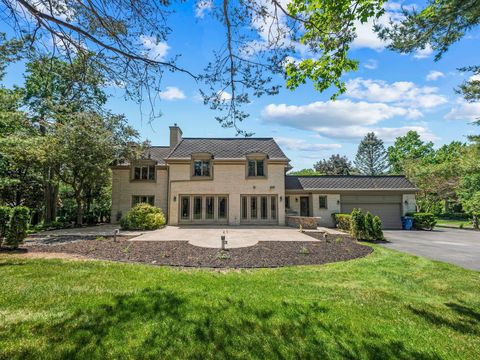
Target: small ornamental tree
(17, 226)
(4, 219)
(377, 229)
(358, 224)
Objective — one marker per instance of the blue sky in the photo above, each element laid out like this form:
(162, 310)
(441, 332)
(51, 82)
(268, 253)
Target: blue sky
(389, 94)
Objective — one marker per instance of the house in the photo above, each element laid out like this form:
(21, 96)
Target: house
(238, 181)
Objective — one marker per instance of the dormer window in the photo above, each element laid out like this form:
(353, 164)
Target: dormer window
(144, 172)
(256, 167)
(201, 168)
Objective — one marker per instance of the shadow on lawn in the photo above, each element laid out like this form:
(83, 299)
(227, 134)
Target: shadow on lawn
(468, 323)
(156, 323)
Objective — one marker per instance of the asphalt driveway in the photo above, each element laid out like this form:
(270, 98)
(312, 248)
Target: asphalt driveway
(459, 247)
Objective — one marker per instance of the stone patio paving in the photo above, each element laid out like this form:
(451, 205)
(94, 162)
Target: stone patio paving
(202, 236)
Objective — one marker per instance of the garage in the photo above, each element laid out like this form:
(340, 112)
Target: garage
(387, 207)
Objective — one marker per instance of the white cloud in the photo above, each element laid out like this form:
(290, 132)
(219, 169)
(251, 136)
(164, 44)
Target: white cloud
(434, 75)
(172, 93)
(202, 7)
(475, 77)
(155, 50)
(224, 95)
(464, 111)
(319, 115)
(371, 64)
(387, 134)
(423, 53)
(302, 145)
(400, 93)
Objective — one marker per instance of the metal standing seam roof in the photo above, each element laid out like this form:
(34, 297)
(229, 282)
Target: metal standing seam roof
(350, 182)
(227, 148)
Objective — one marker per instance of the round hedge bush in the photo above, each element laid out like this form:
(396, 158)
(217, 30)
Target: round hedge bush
(143, 217)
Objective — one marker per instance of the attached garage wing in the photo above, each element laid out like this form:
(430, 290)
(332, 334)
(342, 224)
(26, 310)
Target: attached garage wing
(387, 207)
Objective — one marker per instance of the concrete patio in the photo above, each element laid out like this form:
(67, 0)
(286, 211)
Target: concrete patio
(236, 236)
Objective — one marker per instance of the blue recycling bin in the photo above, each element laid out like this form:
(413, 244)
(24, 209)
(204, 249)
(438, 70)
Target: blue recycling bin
(407, 223)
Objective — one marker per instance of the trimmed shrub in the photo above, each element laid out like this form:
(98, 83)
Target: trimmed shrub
(377, 229)
(425, 221)
(4, 219)
(369, 231)
(343, 221)
(18, 225)
(358, 224)
(143, 217)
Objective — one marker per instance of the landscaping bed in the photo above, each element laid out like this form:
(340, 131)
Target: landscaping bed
(181, 253)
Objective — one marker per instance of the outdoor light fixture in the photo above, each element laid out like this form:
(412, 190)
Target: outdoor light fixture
(174, 199)
(296, 199)
(338, 202)
(280, 199)
(406, 202)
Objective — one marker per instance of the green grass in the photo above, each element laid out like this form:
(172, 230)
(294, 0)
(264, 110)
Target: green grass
(454, 223)
(387, 305)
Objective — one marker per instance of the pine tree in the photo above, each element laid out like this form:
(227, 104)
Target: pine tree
(371, 156)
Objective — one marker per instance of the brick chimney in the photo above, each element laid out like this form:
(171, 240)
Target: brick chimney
(175, 135)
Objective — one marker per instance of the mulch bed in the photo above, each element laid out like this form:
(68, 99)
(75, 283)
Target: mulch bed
(179, 253)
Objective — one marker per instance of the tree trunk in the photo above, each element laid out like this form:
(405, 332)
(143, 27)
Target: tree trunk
(79, 211)
(475, 221)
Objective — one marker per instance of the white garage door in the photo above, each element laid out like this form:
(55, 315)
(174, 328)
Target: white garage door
(388, 209)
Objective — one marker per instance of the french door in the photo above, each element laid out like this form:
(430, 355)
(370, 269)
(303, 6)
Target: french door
(258, 209)
(203, 208)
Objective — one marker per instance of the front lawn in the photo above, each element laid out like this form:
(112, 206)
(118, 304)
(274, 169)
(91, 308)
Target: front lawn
(386, 305)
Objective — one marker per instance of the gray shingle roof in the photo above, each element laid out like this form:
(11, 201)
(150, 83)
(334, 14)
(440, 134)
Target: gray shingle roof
(352, 182)
(158, 153)
(227, 148)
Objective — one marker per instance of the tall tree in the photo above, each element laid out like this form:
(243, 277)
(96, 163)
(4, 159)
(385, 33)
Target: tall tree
(82, 149)
(55, 89)
(408, 147)
(371, 158)
(335, 165)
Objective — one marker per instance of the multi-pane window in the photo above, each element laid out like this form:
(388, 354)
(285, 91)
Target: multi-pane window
(201, 168)
(256, 168)
(322, 200)
(146, 172)
(148, 199)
